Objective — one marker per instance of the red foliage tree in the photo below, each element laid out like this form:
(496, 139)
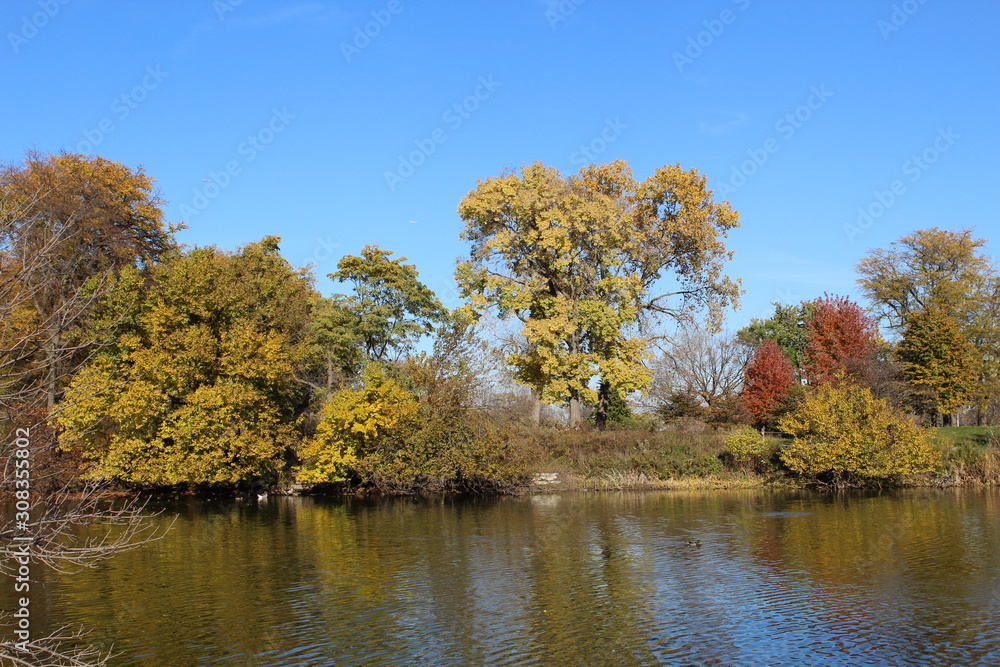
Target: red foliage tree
(841, 343)
(767, 380)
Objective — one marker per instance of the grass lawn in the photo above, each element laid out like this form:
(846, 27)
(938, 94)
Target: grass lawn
(968, 435)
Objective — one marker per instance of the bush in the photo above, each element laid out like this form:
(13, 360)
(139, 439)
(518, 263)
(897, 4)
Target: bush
(685, 462)
(748, 448)
(424, 436)
(968, 462)
(846, 436)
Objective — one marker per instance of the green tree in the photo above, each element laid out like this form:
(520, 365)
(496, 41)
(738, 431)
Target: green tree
(939, 361)
(787, 328)
(335, 351)
(392, 308)
(842, 434)
(202, 389)
(576, 260)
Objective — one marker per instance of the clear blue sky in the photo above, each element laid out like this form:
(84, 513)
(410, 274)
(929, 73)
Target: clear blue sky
(800, 113)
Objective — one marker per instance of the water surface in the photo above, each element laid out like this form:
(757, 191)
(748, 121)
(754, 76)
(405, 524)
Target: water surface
(747, 578)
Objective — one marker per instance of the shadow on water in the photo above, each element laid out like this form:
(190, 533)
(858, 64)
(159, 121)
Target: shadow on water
(900, 577)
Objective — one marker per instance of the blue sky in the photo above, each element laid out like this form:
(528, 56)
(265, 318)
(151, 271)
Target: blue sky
(832, 127)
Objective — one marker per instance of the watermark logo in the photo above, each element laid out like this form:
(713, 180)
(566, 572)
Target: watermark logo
(786, 126)
(249, 149)
(122, 107)
(21, 549)
(322, 251)
(901, 13)
(713, 29)
(363, 35)
(455, 116)
(223, 7)
(915, 167)
(559, 11)
(587, 154)
(31, 25)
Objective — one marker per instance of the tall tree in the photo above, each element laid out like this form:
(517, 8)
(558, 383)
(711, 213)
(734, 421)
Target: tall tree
(769, 377)
(88, 218)
(787, 328)
(202, 390)
(577, 260)
(930, 268)
(392, 308)
(938, 361)
(66, 531)
(945, 270)
(841, 342)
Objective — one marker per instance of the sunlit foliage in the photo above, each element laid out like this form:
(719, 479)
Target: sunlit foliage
(201, 390)
(842, 434)
(577, 259)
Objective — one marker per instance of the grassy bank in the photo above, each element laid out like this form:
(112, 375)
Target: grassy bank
(639, 459)
(970, 455)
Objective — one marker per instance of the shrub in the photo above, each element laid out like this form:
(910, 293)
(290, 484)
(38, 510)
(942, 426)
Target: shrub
(845, 435)
(685, 462)
(425, 436)
(748, 448)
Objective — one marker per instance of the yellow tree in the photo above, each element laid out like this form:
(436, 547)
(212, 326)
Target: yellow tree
(73, 222)
(201, 388)
(578, 260)
(843, 434)
(948, 271)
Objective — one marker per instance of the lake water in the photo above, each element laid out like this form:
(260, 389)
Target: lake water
(896, 578)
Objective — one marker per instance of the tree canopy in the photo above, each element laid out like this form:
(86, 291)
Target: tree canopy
(578, 259)
(841, 342)
(930, 268)
(70, 223)
(938, 360)
(787, 328)
(392, 308)
(202, 388)
(768, 379)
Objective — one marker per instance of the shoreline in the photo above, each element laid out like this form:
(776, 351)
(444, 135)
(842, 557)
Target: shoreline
(550, 483)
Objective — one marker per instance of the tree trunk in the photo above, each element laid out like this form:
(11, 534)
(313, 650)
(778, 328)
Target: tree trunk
(536, 408)
(574, 409)
(574, 394)
(601, 411)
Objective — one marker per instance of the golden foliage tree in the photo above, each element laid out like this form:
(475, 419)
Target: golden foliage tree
(948, 271)
(577, 259)
(938, 361)
(844, 435)
(353, 422)
(75, 221)
(201, 389)
(416, 425)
